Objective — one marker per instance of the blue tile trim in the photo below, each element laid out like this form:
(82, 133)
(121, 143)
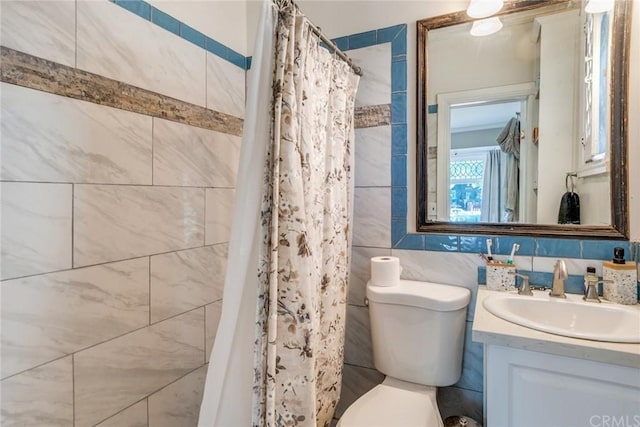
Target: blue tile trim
(399, 202)
(399, 44)
(342, 43)
(502, 245)
(360, 40)
(411, 241)
(216, 48)
(599, 249)
(140, 8)
(192, 35)
(386, 35)
(398, 107)
(394, 34)
(482, 275)
(474, 244)
(236, 58)
(399, 76)
(432, 109)
(399, 171)
(182, 30)
(558, 248)
(165, 21)
(437, 242)
(398, 230)
(399, 139)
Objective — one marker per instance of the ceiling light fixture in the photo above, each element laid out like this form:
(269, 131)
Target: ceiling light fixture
(599, 6)
(484, 27)
(484, 8)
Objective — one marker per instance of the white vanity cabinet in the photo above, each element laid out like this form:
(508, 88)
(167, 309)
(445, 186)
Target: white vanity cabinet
(528, 388)
(536, 379)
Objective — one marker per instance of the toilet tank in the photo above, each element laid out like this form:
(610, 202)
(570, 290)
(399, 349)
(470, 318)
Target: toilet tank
(417, 331)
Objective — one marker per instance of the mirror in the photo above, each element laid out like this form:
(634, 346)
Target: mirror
(524, 131)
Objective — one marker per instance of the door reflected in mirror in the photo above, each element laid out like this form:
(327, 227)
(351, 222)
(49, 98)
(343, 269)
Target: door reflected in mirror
(511, 122)
(484, 182)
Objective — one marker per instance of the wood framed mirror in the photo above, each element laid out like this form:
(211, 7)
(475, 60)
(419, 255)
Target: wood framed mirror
(462, 102)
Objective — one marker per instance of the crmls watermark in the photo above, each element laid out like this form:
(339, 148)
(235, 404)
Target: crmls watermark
(614, 421)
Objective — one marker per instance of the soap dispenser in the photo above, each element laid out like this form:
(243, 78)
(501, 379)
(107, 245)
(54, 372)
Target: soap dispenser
(623, 288)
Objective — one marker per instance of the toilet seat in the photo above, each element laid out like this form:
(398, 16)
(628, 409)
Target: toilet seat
(394, 403)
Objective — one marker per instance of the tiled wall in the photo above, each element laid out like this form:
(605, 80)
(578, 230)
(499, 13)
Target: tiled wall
(114, 224)
(380, 228)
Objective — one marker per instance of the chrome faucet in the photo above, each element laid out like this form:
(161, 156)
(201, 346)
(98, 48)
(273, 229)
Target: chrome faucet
(592, 289)
(525, 288)
(559, 276)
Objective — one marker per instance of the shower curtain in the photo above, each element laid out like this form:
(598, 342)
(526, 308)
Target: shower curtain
(277, 358)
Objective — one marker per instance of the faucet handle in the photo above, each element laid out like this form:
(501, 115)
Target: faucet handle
(592, 291)
(525, 289)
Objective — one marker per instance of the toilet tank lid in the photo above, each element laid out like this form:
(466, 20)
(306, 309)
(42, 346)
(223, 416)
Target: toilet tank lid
(427, 295)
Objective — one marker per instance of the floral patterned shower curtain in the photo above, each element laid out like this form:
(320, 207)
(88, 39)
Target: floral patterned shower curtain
(306, 211)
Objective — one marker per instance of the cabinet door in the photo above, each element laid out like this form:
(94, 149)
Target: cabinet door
(530, 389)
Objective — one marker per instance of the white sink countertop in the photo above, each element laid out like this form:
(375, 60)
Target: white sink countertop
(490, 329)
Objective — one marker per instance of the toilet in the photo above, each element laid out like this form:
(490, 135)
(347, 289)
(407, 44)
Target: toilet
(417, 333)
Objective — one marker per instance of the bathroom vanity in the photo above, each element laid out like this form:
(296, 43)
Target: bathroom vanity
(534, 378)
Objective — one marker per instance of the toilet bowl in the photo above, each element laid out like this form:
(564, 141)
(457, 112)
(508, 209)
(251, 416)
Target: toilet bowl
(394, 403)
(417, 334)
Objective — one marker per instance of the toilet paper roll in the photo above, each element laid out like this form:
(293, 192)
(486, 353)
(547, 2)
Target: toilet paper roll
(385, 271)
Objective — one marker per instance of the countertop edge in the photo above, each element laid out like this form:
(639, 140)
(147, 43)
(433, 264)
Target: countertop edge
(490, 329)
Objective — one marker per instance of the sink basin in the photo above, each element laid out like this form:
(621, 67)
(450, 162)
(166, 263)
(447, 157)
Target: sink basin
(570, 318)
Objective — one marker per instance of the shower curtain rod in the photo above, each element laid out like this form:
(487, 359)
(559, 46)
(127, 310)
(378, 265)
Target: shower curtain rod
(317, 31)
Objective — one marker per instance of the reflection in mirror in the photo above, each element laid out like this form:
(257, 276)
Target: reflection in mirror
(516, 127)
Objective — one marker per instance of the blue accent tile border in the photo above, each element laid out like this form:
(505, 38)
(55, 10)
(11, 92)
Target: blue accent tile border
(396, 35)
(184, 31)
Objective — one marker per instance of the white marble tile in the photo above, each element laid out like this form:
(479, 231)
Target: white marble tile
(219, 215)
(115, 222)
(372, 217)
(449, 268)
(212, 319)
(41, 28)
(39, 397)
(52, 138)
(178, 404)
(361, 271)
(117, 44)
(375, 84)
(523, 262)
(113, 375)
(575, 266)
(356, 381)
(357, 346)
(133, 416)
(225, 86)
(456, 269)
(373, 157)
(47, 316)
(181, 281)
(36, 228)
(190, 156)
